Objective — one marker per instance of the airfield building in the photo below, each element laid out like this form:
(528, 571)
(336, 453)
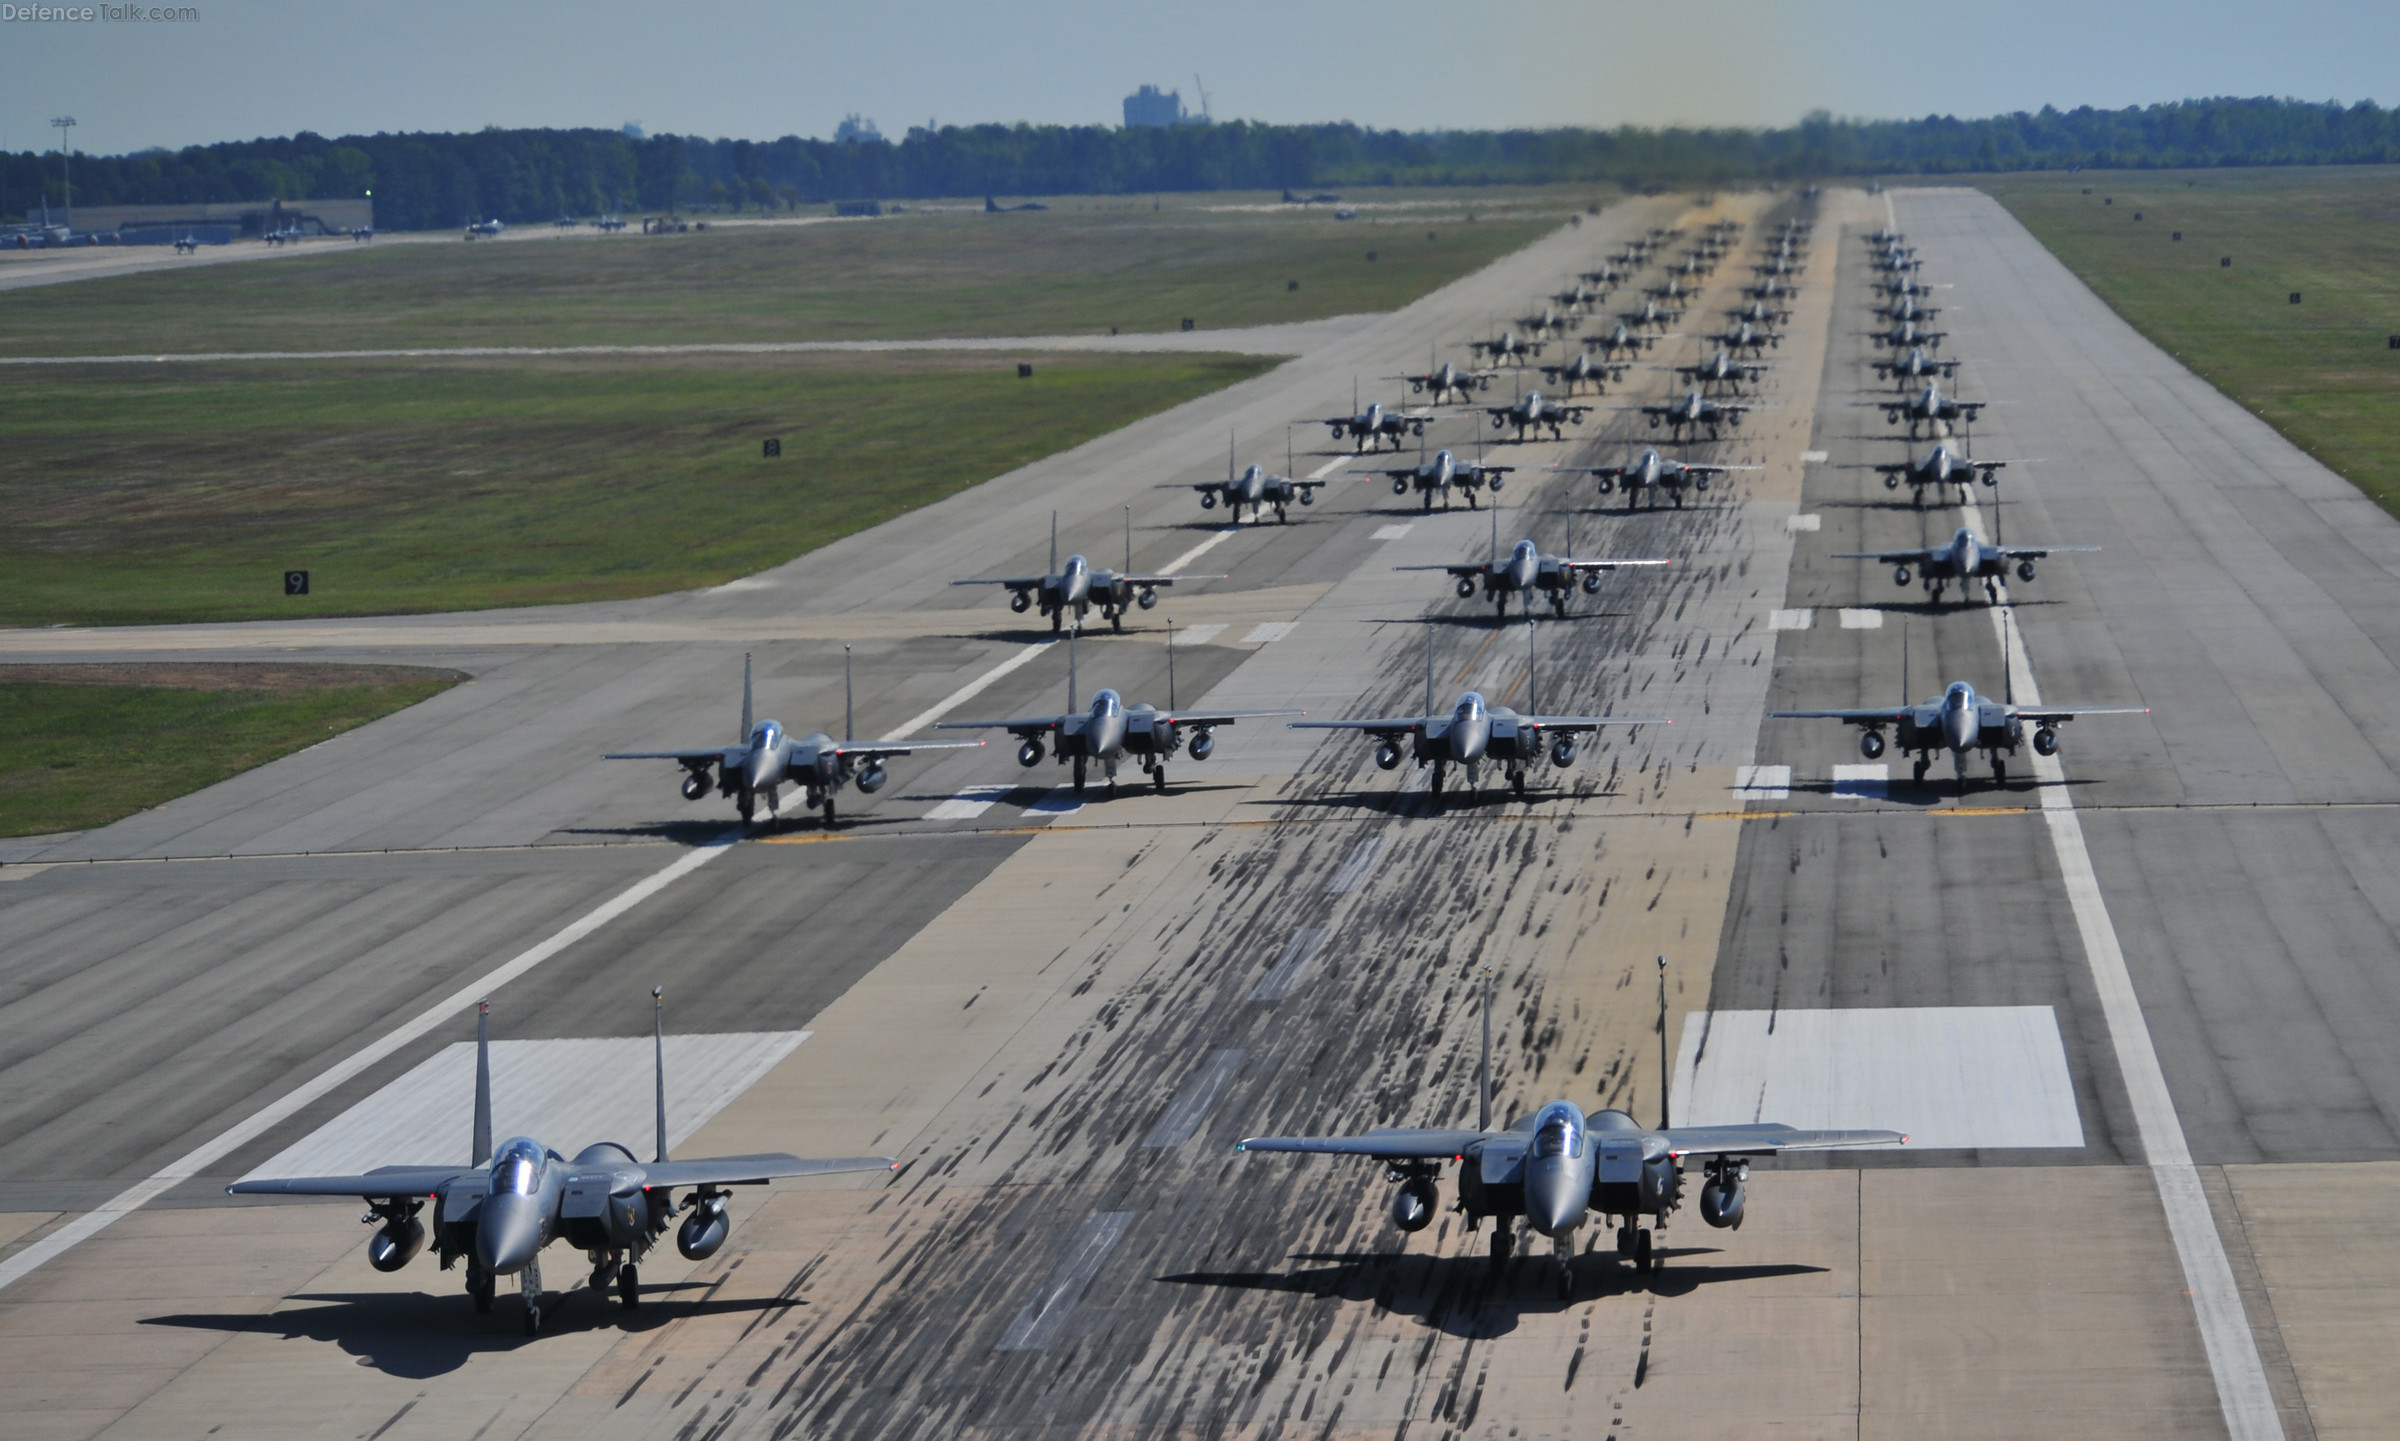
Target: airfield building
(1153, 106)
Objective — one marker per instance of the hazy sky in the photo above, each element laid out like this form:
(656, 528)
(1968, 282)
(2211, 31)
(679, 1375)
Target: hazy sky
(248, 68)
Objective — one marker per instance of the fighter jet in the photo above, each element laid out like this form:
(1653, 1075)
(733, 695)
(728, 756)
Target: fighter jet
(1879, 237)
(1903, 285)
(1771, 288)
(1959, 721)
(1897, 260)
(1440, 474)
(1928, 407)
(1694, 411)
(1721, 369)
(1964, 558)
(1906, 335)
(1374, 423)
(1507, 348)
(1905, 310)
(1445, 380)
(1652, 314)
(1777, 267)
(503, 1207)
(1620, 341)
(1649, 473)
(763, 759)
(1546, 322)
(1530, 410)
(1604, 278)
(1256, 487)
(1940, 466)
(1110, 731)
(1743, 338)
(1474, 731)
(1526, 572)
(1672, 292)
(1561, 1166)
(1578, 298)
(1078, 585)
(1758, 312)
(1915, 365)
(1582, 370)
(487, 229)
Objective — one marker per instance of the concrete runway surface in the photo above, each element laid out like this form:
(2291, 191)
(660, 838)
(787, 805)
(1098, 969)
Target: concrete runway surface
(2179, 938)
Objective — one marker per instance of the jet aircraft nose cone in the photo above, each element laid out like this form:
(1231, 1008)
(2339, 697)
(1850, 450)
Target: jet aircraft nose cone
(1554, 1198)
(508, 1231)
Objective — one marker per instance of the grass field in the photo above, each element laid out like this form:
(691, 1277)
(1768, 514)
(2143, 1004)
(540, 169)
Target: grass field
(81, 746)
(2322, 372)
(1078, 269)
(183, 493)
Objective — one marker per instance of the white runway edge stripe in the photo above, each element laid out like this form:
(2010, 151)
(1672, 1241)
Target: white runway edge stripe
(448, 1009)
(2242, 1391)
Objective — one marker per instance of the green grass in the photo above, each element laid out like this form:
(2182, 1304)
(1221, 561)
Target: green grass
(2322, 372)
(76, 755)
(1078, 269)
(183, 493)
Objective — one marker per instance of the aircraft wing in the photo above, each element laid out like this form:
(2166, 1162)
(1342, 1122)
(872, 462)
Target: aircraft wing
(1770, 1136)
(1472, 568)
(382, 1181)
(1383, 725)
(1397, 1142)
(1165, 579)
(755, 1170)
(1888, 557)
(719, 755)
(1022, 725)
(1588, 722)
(899, 748)
(2052, 715)
(1572, 563)
(2032, 552)
(1024, 580)
(1221, 718)
(1874, 715)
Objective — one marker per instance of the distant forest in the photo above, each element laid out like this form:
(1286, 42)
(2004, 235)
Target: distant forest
(430, 181)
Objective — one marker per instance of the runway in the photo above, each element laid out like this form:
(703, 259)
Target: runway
(1059, 1016)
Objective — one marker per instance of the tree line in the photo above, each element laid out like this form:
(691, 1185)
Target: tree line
(431, 181)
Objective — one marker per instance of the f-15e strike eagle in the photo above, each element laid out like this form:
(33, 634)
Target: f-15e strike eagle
(1561, 1167)
(1473, 731)
(503, 1207)
(1693, 412)
(1960, 722)
(1940, 466)
(1445, 380)
(1965, 557)
(765, 758)
(1649, 473)
(1531, 411)
(1506, 348)
(1372, 424)
(1527, 572)
(1109, 731)
(1078, 585)
(1440, 474)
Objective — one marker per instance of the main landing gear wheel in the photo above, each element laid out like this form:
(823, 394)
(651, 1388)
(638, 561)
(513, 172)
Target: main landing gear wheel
(829, 812)
(1922, 764)
(1999, 771)
(1644, 1260)
(1517, 782)
(479, 1288)
(1079, 775)
(1158, 778)
(1503, 1241)
(747, 805)
(1625, 1235)
(629, 1287)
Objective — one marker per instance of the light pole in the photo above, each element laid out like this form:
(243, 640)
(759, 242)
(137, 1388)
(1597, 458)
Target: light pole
(66, 159)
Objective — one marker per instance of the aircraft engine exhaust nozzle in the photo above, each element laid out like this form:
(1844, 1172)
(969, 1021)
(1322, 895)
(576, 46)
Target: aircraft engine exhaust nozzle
(1562, 753)
(1204, 745)
(1029, 754)
(396, 1244)
(1387, 756)
(695, 786)
(1870, 744)
(1414, 1204)
(1721, 1205)
(871, 780)
(704, 1230)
